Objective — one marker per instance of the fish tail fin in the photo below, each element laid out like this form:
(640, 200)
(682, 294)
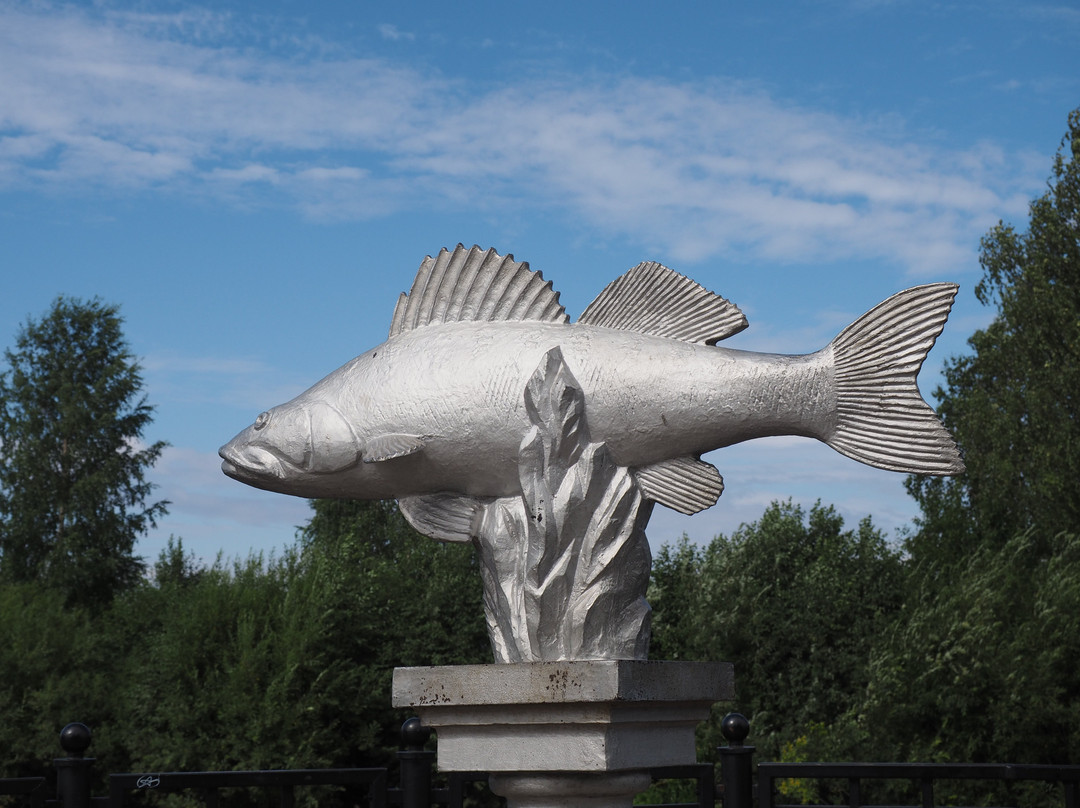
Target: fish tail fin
(881, 418)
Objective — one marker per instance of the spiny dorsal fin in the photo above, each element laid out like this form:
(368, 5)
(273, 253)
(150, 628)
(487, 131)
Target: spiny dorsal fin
(653, 299)
(472, 286)
(685, 484)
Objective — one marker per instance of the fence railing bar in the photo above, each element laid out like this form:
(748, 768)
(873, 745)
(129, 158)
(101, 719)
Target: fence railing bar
(455, 786)
(208, 784)
(706, 792)
(916, 771)
(288, 797)
(34, 787)
(766, 788)
(926, 789)
(924, 775)
(416, 790)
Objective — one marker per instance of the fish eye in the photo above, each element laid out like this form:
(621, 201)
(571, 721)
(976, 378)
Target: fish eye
(262, 420)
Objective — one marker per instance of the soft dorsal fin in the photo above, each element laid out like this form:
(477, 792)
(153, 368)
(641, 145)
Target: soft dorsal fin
(475, 285)
(653, 299)
(685, 484)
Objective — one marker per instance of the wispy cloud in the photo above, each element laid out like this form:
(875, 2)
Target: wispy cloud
(169, 104)
(204, 365)
(760, 472)
(244, 384)
(1057, 13)
(211, 513)
(392, 33)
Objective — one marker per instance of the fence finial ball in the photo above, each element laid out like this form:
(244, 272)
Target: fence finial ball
(75, 738)
(414, 734)
(735, 727)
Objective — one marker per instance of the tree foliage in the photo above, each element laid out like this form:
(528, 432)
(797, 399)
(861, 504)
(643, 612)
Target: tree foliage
(793, 600)
(73, 487)
(245, 664)
(1012, 404)
(393, 598)
(288, 662)
(983, 669)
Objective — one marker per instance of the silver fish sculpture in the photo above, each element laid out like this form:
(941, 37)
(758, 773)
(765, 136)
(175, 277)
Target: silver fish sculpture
(438, 410)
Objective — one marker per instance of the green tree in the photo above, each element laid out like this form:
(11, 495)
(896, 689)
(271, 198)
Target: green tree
(980, 666)
(794, 601)
(246, 664)
(396, 598)
(1013, 403)
(288, 662)
(73, 485)
(675, 590)
(55, 667)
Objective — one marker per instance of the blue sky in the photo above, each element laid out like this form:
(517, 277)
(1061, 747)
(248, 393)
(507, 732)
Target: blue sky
(255, 182)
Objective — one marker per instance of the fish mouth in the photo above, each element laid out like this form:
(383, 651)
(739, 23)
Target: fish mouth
(231, 469)
(251, 464)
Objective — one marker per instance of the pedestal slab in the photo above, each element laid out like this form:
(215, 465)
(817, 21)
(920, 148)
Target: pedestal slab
(587, 726)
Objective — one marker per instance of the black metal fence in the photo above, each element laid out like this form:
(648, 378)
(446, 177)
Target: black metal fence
(922, 778)
(370, 786)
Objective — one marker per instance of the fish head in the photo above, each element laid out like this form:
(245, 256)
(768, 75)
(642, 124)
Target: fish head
(289, 448)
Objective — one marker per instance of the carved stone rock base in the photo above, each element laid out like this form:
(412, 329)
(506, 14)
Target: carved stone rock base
(578, 733)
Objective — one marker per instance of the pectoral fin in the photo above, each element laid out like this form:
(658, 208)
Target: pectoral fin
(685, 484)
(387, 447)
(446, 517)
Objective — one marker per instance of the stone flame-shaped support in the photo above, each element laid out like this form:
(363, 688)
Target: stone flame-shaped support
(566, 565)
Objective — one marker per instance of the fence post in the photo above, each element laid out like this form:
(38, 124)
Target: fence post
(73, 772)
(736, 770)
(416, 763)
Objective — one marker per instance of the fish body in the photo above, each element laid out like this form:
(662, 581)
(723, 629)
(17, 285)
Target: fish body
(439, 407)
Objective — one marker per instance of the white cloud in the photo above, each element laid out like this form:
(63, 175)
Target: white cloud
(244, 384)
(212, 513)
(207, 365)
(197, 489)
(391, 32)
(245, 174)
(696, 170)
(1057, 14)
(759, 472)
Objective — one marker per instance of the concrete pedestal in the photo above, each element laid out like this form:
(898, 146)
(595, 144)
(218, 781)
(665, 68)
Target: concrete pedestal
(578, 733)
